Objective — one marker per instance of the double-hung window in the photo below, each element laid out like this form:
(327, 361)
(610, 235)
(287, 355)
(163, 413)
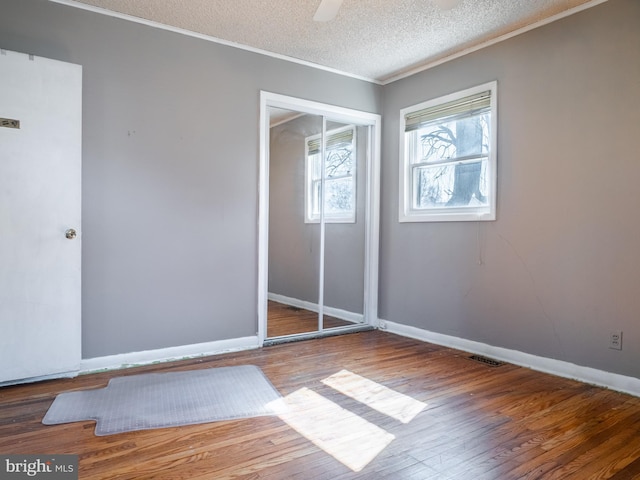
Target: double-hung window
(448, 157)
(339, 176)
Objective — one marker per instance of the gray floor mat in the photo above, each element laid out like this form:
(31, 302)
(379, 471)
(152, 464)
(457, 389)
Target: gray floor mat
(156, 400)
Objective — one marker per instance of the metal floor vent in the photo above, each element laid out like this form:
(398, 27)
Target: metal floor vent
(486, 360)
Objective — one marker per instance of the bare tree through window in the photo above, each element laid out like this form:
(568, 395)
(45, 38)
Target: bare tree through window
(339, 175)
(458, 183)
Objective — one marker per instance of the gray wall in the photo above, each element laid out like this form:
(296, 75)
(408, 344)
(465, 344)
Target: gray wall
(560, 268)
(294, 246)
(170, 171)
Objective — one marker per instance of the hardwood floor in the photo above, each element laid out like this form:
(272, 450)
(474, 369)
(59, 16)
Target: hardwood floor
(480, 422)
(287, 320)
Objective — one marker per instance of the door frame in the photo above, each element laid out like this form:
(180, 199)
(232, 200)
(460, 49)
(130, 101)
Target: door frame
(372, 215)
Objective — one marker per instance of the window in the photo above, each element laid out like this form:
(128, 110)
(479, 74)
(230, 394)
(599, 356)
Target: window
(448, 157)
(339, 176)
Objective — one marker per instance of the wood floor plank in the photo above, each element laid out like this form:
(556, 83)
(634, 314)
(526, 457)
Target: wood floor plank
(480, 422)
(629, 472)
(288, 320)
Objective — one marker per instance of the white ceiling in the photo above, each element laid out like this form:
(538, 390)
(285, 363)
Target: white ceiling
(379, 40)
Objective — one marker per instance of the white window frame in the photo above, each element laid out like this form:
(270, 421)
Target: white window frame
(347, 217)
(407, 213)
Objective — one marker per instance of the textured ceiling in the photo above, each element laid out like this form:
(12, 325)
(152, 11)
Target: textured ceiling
(374, 39)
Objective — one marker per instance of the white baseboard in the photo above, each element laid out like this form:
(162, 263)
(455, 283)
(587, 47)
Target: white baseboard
(559, 368)
(134, 359)
(54, 376)
(313, 307)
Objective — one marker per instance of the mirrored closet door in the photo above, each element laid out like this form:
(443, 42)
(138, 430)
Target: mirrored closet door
(343, 221)
(294, 241)
(318, 219)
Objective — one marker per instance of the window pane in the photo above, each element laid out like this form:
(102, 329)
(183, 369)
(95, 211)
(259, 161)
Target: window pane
(339, 196)
(457, 184)
(339, 176)
(339, 161)
(454, 138)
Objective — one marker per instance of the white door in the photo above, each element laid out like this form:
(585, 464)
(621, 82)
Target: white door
(40, 177)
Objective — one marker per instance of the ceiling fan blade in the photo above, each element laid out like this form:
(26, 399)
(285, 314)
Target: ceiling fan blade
(327, 10)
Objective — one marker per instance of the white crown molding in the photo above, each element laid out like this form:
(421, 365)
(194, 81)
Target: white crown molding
(135, 359)
(385, 81)
(493, 41)
(209, 38)
(614, 381)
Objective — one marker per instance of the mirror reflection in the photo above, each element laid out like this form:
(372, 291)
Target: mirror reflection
(344, 228)
(317, 216)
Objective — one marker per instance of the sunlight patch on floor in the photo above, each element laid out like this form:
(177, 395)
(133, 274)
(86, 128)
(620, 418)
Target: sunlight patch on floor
(348, 438)
(382, 399)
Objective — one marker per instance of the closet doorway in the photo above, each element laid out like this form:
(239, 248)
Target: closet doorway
(318, 230)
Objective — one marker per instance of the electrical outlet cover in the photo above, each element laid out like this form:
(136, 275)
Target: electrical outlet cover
(615, 340)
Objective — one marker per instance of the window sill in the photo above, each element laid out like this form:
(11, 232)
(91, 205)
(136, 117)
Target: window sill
(448, 216)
